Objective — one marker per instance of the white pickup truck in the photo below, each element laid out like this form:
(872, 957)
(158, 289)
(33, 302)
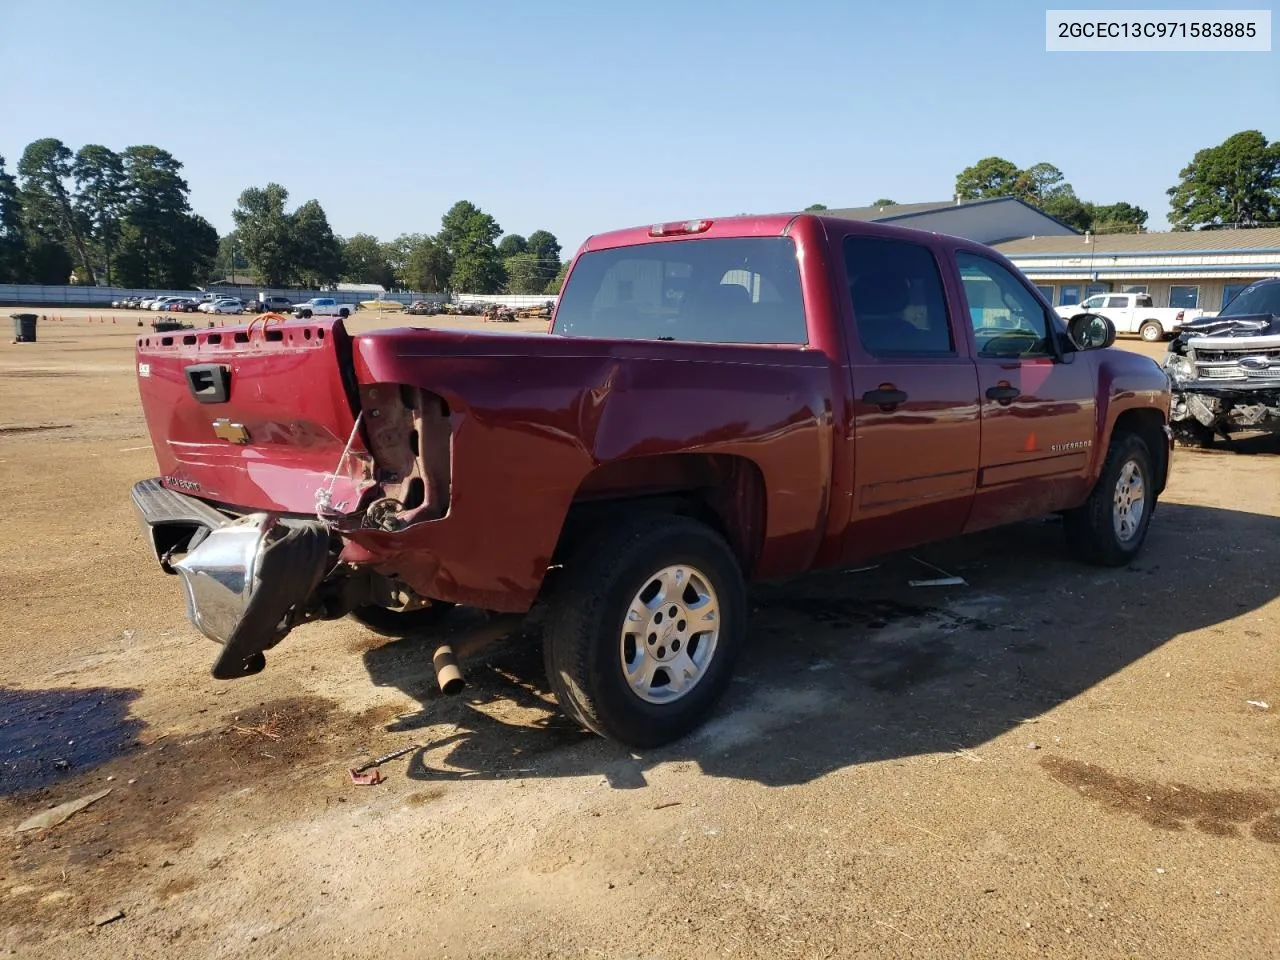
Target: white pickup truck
(322, 307)
(1133, 313)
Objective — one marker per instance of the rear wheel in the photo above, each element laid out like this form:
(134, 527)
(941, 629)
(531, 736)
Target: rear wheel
(1151, 331)
(643, 629)
(1110, 527)
(395, 623)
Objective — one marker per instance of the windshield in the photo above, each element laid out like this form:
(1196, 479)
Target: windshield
(710, 290)
(1259, 299)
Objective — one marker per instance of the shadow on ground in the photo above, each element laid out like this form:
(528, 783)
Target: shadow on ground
(843, 668)
(50, 735)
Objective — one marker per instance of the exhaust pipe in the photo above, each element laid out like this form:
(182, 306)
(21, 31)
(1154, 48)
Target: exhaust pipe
(448, 675)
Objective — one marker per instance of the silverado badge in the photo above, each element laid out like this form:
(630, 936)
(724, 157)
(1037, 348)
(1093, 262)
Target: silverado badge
(224, 429)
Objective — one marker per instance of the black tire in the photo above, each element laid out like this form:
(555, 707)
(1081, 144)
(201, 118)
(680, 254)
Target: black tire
(1091, 528)
(344, 313)
(1151, 332)
(305, 314)
(583, 643)
(394, 623)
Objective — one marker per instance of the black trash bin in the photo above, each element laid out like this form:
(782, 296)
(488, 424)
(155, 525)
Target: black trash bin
(24, 327)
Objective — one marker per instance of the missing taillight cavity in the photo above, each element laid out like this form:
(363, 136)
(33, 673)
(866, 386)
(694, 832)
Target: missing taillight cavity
(409, 436)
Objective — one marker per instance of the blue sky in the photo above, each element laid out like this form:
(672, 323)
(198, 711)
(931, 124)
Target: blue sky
(579, 116)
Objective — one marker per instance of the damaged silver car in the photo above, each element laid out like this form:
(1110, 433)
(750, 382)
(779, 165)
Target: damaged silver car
(1225, 370)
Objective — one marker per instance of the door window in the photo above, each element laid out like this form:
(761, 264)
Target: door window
(898, 303)
(1093, 303)
(1008, 320)
(1117, 303)
(1230, 290)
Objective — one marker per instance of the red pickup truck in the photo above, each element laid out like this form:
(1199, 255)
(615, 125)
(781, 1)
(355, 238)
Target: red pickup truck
(714, 403)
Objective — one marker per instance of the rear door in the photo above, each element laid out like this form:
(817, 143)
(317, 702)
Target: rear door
(1038, 406)
(1119, 310)
(915, 389)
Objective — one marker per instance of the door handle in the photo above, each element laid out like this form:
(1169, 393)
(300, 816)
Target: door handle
(885, 397)
(1004, 395)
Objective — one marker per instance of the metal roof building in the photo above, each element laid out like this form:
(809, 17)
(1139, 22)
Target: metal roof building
(1193, 268)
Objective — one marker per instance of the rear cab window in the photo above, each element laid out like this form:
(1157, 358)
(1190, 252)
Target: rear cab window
(707, 290)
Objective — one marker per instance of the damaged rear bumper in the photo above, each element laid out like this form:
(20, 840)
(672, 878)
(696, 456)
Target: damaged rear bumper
(246, 579)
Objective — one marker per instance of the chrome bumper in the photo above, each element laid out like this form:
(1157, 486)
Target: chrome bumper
(244, 579)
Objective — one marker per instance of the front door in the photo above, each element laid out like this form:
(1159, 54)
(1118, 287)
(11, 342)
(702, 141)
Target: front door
(915, 414)
(1038, 408)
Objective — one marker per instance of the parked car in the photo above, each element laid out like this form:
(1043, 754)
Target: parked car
(423, 308)
(226, 305)
(322, 307)
(1133, 313)
(717, 402)
(264, 304)
(1226, 368)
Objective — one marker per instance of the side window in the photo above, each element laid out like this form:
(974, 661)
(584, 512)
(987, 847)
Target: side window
(1119, 303)
(1093, 303)
(899, 306)
(1007, 320)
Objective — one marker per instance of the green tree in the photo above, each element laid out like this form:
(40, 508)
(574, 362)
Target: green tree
(48, 262)
(266, 232)
(1040, 183)
(13, 246)
(364, 260)
(989, 177)
(1237, 183)
(162, 244)
(1068, 208)
(45, 168)
(881, 203)
(469, 234)
(512, 244)
(524, 274)
(427, 266)
(1118, 218)
(316, 251)
(815, 208)
(100, 199)
(557, 282)
(230, 259)
(546, 248)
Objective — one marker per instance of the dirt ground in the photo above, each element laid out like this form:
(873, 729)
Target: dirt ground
(1052, 760)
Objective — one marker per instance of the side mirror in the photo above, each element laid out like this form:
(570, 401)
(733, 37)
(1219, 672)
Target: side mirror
(1091, 331)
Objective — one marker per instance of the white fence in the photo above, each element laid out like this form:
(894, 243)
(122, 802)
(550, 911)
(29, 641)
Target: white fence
(85, 296)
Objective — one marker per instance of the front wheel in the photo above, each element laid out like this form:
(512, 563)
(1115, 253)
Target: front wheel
(1110, 527)
(1151, 331)
(643, 629)
(305, 314)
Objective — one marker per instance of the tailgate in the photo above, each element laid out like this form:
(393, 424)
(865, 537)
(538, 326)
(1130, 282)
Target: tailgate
(253, 417)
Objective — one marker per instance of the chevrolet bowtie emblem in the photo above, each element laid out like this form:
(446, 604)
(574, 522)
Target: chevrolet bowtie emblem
(224, 429)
